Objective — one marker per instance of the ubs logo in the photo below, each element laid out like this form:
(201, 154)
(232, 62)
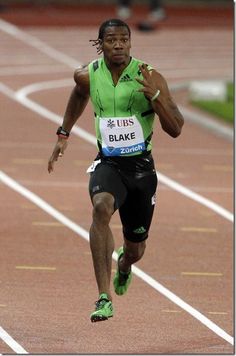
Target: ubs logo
(110, 123)
(120, 123)
(125, 122)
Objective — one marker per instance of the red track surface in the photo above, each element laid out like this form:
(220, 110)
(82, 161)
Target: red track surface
(93, 15)
(190, 249)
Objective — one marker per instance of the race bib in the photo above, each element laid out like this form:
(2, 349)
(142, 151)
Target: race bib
(121, 136)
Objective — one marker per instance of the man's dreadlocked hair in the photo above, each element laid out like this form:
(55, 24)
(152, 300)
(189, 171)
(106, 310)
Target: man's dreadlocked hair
(102, 29)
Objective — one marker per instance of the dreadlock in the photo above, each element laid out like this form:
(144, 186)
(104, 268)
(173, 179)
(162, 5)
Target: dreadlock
(102, 29)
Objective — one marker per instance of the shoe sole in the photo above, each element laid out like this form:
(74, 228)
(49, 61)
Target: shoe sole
(96, 318)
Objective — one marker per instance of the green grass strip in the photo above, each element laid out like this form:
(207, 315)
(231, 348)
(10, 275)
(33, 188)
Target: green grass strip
(221, 109)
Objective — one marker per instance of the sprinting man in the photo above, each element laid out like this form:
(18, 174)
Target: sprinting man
(126, 94)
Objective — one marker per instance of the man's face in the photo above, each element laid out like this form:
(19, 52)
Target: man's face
(116, 45)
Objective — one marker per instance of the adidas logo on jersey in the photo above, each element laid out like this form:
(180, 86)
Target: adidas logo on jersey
(126, 78)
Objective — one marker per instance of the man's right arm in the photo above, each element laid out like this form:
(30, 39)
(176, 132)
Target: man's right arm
(77, 102)
(78, 99)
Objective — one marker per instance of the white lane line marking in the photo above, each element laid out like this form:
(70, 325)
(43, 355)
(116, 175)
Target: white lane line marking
(217, 167)
(196, 151)
(198, 229)
(47, 223)
(11, 342)
(51, 84)
(171, 311)
(33, 69)
(212, 189)
(208, 123)
(54, 183)
(29, 161)
(39, 109)
(202, 274)
(36, 268)
(137, 271)
(197, 197)
(33, 41)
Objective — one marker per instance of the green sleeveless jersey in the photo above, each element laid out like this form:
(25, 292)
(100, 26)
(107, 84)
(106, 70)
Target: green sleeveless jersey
(123, 116)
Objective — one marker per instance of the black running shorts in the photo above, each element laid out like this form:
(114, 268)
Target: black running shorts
(132, 181)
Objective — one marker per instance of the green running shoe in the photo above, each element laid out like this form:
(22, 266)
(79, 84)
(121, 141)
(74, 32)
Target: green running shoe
(103, 310)
(121, 280)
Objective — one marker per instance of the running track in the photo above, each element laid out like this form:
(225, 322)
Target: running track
(181, 298)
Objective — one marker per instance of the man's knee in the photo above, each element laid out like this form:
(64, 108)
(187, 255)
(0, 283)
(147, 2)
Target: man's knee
(134, 251)
(103, 207)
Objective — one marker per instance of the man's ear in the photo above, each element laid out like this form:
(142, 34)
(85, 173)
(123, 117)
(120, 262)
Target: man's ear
(100, 46)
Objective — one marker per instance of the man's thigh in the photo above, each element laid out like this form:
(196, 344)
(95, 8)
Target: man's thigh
(137, 211)
(106, 178)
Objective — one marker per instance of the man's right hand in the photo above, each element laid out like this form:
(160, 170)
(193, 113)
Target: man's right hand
(57, 152)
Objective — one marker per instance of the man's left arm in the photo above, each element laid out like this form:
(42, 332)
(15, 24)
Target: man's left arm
(155, 88)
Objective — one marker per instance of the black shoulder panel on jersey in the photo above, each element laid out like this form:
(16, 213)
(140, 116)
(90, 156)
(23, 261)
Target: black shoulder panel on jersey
(95, 65)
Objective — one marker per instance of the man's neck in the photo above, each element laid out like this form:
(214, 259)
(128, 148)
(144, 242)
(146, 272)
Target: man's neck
(117, 69)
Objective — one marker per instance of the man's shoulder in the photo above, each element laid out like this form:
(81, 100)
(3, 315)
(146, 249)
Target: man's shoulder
(82, 70)
(81, 78)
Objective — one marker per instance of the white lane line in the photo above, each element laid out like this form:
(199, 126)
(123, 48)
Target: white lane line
(196, 197)
(51, 84)
(207, 122)
(33, 69)
(39, 109)
(33, 41)
(19, 96)
(11, 342)
(11, 183)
